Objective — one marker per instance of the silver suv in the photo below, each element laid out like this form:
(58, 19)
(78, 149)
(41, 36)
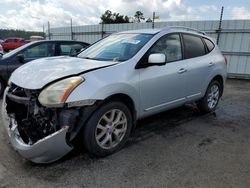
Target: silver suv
(98, 96)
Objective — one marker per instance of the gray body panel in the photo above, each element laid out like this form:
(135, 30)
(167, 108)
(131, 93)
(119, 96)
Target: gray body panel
(152, 89)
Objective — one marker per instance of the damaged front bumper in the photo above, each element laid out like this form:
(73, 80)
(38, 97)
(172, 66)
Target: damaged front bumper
(45, 150)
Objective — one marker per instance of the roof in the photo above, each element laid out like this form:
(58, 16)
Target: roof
(41, 41)
(14, 38)
(171, 28)
(145, 31)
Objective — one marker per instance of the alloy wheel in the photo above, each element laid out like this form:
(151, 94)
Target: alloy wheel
(213, 96)
(111, 129)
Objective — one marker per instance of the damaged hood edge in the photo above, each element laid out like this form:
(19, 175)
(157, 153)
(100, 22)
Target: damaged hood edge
(38, 73)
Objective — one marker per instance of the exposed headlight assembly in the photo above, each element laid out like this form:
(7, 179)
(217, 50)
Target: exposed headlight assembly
(57, 93)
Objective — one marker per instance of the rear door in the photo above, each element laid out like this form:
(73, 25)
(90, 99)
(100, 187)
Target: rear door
(16, 43)
(7, 44)
(163, 86)
(199, 64)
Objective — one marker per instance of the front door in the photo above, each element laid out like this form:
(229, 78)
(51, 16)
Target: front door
(162, 87)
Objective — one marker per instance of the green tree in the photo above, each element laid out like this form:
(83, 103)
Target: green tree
(138, 16)
(5, 33)
(109, 18)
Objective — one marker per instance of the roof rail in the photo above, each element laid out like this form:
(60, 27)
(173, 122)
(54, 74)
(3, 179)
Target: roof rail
(187, 29)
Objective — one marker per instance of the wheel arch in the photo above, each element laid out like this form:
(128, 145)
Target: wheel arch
(128, 101)
(220, 79)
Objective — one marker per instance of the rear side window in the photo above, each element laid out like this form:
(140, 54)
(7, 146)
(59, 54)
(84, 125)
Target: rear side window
(9, 40)
(194, 46)
(210, 44)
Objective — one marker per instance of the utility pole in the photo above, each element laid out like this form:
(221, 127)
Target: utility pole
(71, 29)
(153, 21)
(49, 30)
(219, 29)
(44, 36)
(102, 30)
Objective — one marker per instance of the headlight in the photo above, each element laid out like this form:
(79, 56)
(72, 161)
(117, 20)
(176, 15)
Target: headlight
(56, 94)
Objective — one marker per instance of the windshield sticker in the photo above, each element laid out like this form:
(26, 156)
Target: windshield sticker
(131, 41)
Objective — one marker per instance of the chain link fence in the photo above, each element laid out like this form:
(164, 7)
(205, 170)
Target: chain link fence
(233, 37)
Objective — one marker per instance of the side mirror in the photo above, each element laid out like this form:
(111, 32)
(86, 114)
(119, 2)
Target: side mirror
(20, 58)
(158, 58)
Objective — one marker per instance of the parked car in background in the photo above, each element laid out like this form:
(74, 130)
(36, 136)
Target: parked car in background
(34, 50)
(101, 94)
(36, 38)
(13, 43)
(1, 50)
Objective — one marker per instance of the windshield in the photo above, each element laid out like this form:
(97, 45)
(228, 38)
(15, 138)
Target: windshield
(117, 47)
(9, 54)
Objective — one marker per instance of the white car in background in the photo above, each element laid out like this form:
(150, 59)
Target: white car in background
(1, 50)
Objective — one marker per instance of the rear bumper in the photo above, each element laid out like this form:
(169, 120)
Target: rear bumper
(46, 150)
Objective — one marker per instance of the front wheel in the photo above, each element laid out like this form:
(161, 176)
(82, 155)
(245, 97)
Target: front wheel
(211, 99)
(108, 129)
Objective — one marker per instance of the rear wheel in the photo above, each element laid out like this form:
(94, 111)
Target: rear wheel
(211, 99)
(108, 129)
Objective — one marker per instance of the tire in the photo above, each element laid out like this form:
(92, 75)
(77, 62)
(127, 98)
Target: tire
(211, 99)
(108, 129)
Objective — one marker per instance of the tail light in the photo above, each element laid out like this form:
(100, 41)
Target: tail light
(225, 59)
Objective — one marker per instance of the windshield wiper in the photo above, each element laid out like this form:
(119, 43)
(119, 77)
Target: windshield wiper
(98, 59)
(88, 58)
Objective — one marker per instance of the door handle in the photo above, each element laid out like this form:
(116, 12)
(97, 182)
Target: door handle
(182, 70)
(211, 64)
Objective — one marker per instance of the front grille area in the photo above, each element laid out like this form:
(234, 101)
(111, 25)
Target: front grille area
(22, 92)
(34, 121)
(17, 91)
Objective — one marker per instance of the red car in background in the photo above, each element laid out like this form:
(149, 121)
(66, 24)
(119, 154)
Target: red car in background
(12, 43)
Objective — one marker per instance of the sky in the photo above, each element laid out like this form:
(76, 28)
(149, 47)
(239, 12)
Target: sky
(33, 14)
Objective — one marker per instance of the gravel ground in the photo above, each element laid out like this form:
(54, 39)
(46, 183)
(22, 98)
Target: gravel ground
(177, 148)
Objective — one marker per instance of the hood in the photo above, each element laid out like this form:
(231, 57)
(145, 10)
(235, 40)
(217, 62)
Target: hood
(38, 73)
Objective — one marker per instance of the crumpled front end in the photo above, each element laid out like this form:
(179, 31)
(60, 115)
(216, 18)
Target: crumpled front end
(39, 134)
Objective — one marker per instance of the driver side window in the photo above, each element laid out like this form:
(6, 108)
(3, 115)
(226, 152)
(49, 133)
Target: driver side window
(170, 46)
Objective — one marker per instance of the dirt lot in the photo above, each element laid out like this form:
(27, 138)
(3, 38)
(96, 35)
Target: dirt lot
(178, 148)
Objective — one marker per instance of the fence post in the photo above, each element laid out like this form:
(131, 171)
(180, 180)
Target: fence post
(71, 29)
(153, 21)
(102, 30)
(49, 30)
(219, 29)
(44, 34)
